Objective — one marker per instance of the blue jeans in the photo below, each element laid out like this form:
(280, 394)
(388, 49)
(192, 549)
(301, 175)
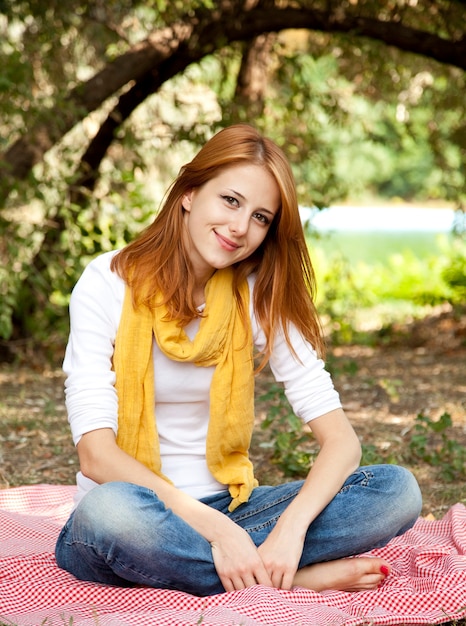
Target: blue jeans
(122, 534)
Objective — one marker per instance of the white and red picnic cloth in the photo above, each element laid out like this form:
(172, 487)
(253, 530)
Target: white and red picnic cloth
(427, 584)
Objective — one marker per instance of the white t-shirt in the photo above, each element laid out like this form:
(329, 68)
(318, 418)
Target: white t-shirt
(181, 389)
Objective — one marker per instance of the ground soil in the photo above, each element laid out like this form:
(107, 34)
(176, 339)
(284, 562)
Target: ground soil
(384, 384)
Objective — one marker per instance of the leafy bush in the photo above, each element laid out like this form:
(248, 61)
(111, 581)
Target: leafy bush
(293, 447)
(352, 297)
(430, 442)
(42, 260)
(454, 273)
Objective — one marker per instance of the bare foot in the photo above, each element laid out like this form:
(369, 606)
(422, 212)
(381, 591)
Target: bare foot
(355, 574)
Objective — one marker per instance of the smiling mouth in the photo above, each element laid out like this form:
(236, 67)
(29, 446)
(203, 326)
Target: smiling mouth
(226, 244)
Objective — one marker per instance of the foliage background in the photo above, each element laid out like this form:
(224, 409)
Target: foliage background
(359, 119)
(367, 99)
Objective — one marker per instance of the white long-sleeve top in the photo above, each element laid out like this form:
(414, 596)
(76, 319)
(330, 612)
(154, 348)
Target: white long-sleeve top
(181, 389)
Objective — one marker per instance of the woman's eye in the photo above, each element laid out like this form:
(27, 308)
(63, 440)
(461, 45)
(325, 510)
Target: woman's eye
(263, 219)
(231, 200)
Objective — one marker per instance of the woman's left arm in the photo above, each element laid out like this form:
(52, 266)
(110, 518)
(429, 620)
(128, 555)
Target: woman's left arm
(339, 456)
(311, 393)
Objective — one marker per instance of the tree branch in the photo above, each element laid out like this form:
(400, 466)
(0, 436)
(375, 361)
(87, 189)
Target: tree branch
(127, 103)
(189, 40)
(251, 83)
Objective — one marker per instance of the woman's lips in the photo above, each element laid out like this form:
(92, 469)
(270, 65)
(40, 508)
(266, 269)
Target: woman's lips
(225, 243)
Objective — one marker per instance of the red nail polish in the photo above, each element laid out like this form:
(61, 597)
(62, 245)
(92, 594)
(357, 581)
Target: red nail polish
(385, 571)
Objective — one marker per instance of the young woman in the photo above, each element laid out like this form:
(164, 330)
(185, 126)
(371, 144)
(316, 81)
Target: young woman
(159, 395)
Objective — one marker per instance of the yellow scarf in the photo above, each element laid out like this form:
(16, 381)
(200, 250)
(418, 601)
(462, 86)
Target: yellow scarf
(223, 341)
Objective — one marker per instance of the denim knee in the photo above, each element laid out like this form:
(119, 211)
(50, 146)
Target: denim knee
(375, 504)
(406, 496)
(123, 534)
(396, 492)
(105, 511)
(86, 544)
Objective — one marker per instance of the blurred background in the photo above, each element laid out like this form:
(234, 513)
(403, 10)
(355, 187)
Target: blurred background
(102, 102)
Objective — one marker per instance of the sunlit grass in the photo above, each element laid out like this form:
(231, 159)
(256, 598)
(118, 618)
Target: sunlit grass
(367, 281)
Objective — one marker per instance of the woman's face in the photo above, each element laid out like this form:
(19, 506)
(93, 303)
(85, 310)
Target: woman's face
(228, 218)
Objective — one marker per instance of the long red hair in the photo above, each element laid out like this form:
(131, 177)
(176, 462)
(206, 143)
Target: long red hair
(157, 263)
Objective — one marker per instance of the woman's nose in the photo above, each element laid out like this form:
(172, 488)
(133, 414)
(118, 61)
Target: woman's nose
(239, 224)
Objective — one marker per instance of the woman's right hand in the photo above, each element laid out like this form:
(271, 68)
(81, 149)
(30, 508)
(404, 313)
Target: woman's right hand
(237, 560)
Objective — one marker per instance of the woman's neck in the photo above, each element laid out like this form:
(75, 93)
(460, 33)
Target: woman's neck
(199, 288)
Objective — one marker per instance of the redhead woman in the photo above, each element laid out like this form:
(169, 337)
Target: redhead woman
(160, 399)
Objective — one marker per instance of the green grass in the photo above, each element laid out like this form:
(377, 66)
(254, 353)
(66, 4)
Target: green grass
(369, 280)
(377, 247)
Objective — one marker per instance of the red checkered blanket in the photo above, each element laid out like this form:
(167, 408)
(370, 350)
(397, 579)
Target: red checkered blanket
(427, 584)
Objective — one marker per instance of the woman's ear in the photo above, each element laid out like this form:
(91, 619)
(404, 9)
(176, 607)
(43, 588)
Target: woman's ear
(186, 201)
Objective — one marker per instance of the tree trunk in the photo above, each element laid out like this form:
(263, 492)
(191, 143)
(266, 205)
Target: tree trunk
(253, 73)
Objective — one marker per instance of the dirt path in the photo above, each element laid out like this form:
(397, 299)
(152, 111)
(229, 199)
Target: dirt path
(391, 388)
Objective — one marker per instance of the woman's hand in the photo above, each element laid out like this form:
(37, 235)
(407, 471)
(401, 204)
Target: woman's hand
(237, 559)
(339, 455)
(280, 554)
(235, 556)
